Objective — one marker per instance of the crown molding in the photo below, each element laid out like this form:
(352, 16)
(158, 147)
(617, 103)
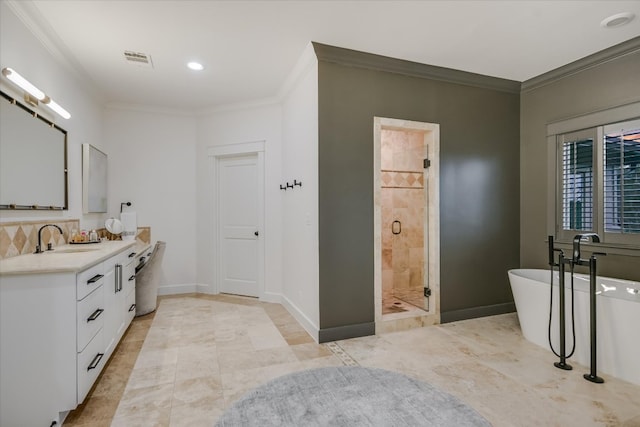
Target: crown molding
(614, 52)
(28, 13)
(305, 62)
(151, 109)
(375, 62)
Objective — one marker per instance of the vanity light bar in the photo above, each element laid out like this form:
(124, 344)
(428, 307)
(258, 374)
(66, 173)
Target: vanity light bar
(26, 85)
(56, 107)
(23, 83)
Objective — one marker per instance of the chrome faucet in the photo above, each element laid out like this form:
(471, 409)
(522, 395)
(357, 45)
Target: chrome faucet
(39, 247)
(593, 237)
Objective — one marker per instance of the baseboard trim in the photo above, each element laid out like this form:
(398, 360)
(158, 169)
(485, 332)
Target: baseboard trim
(185, 288)
(306, 323)
(271, 297)
(346, 332)
(475, 312)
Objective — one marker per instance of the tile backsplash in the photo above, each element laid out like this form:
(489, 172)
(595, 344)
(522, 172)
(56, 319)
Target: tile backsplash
(20, 238)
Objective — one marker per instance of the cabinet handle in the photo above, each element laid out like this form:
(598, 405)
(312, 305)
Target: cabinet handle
(133, 307)
(95, 315)
(118, 278)
(94, 279)
(132, 254)
(95, 361)
(132, 277)
(393, 227)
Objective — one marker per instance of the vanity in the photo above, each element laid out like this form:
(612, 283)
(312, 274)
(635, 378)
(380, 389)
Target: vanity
(62, 314)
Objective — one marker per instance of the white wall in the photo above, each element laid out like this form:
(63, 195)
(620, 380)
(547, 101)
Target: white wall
(300, 205)
(152, 164)
(22, 51)
(234, 126)
(158, 161)
(151, 155)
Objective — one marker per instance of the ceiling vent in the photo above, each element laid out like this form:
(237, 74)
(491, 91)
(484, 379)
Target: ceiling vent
(138, 58)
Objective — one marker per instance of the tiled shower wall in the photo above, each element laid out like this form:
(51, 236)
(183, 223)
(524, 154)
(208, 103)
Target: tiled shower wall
(20, 238)
(402, 199)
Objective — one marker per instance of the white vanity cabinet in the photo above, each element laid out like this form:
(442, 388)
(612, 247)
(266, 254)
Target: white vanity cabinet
(130, 288)
(59, 328)
(119, 282)
(91, 309)
(37, 348)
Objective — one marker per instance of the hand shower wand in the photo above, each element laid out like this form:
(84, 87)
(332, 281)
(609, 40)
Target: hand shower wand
(562, 364)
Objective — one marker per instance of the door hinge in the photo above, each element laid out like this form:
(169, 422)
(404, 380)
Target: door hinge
(426, 163)
(427, 292)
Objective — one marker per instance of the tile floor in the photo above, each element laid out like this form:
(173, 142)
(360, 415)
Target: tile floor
(183, 364)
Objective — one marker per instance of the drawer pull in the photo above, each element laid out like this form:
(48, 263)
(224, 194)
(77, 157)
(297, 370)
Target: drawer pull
(132, 254)
(132, 277)
(94, 279)
(95, 315)
(133, 307)
(95, 361)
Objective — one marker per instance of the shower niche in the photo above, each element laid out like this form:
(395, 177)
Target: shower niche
(407, 238)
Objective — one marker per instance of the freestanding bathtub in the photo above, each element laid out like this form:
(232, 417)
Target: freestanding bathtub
(618, 319)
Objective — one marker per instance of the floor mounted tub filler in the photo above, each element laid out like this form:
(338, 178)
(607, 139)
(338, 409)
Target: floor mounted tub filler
(618, 314)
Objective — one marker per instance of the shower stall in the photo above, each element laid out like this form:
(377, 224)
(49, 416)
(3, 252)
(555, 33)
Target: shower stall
(403, 202)
(406, 224)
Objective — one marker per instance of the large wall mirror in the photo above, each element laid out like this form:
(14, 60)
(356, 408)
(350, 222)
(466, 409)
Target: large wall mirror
(94, 179)
(33, 159)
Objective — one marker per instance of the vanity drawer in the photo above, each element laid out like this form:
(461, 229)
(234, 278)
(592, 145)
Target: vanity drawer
(121, 258)
(90, 362)
(130, 307)
(128, 278)
(90, 317)
(89, 280)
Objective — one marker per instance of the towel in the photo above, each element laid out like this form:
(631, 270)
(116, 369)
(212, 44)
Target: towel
(130, 223)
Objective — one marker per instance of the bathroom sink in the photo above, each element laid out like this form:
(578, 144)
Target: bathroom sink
(71, 250)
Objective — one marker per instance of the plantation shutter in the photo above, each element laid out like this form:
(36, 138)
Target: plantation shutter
(577, 185)
(622, 178)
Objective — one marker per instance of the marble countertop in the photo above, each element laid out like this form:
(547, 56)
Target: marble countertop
(67, 258)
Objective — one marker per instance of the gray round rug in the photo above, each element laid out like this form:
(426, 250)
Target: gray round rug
(349, 396)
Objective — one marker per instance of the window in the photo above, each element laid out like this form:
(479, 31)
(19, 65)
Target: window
(622, 178)
(577, 183)
(599, 183)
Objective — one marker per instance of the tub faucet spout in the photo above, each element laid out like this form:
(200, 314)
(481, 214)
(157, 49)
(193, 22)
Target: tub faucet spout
(593, 237)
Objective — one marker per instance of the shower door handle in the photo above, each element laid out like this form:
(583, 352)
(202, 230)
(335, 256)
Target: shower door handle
(396, 225)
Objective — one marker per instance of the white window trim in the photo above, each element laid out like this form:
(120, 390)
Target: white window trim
(598, 120)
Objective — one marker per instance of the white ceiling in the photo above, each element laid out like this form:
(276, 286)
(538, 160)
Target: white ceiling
(249, 47)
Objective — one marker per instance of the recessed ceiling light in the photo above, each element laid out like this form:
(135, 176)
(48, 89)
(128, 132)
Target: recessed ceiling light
(196, 66)
(617, 20)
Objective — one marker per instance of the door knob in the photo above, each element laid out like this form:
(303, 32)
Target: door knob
(256, 233)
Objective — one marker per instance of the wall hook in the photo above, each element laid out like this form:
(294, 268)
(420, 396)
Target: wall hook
(289, 185)
(298, 183)
(282, 187)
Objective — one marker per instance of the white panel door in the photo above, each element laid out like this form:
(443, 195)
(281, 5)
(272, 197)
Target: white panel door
(239, 209)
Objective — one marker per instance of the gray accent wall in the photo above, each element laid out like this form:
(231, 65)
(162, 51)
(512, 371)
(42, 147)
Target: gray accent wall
(604, 80)
(479, 120)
